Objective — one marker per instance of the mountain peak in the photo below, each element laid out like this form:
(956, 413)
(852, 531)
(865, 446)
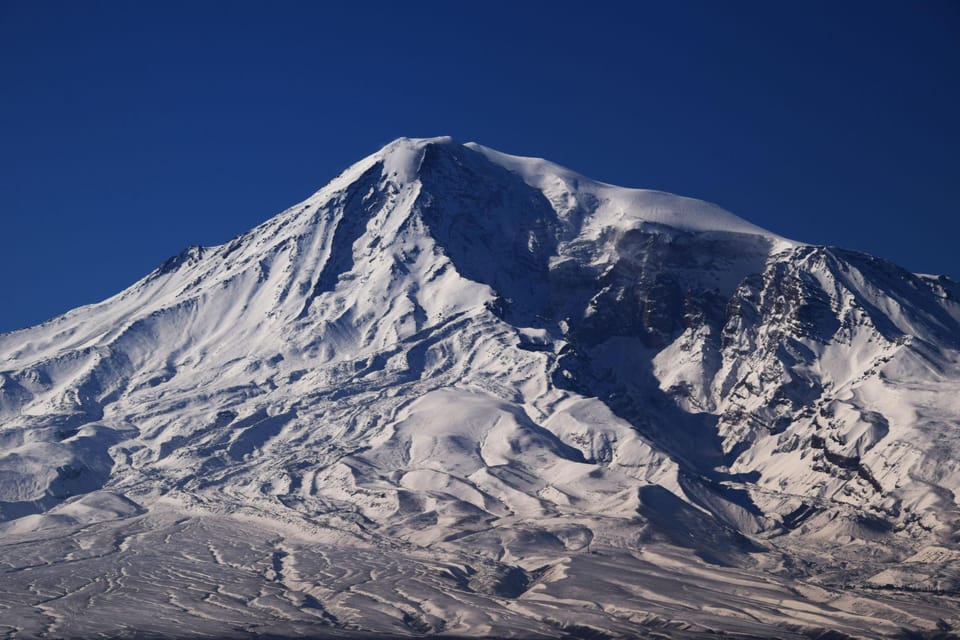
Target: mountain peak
(402, 157)
(457, 372)
(605, 206)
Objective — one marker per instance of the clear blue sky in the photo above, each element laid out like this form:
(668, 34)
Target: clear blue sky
(129, 130)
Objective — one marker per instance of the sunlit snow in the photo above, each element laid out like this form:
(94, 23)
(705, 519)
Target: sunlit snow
(462, 392)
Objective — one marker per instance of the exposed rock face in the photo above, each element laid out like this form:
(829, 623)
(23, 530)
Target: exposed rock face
(465, 373)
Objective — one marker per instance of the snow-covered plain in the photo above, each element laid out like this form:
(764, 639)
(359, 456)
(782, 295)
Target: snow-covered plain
(465, 393)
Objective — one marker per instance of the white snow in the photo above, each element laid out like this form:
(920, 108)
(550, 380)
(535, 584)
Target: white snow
(438, 396)
(620, 207)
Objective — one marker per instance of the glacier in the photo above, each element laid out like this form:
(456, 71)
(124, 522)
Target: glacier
(461, 393)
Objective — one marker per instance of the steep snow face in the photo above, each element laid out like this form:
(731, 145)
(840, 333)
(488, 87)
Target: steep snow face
(508, 364)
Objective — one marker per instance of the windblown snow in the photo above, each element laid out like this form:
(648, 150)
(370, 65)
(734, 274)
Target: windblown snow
(458, 392)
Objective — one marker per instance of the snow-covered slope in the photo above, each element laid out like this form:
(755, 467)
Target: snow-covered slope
(523, 399)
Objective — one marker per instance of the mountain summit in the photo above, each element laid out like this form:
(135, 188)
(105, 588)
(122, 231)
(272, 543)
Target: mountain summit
(457, 391)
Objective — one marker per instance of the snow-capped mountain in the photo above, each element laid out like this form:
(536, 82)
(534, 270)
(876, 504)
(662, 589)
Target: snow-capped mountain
(462, 392)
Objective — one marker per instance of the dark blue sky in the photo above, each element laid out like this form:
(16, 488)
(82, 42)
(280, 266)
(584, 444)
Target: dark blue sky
(129, 130)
